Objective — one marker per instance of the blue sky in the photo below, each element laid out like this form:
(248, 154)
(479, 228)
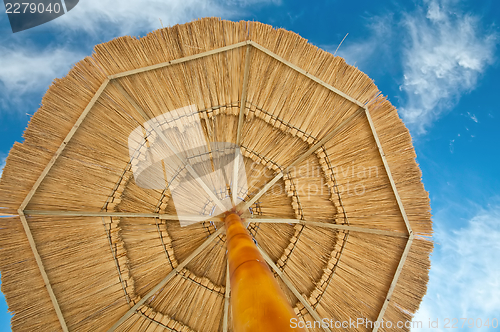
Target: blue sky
(436, 60)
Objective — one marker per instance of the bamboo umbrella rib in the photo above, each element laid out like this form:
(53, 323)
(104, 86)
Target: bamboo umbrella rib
(394, 281)
(230, 47)
(170, 146)
(226, 300)
(63, 144)
(234, 119)
(388, 171)
(322, 289)
(118, 214)
(309, 152)
(243, 102)
(180, 60)
(174, 217)
(185, 59)
(236, 170)
(328, 225)
(305, 73)
(393, 185)
(403, 213)
(243, 95)
(325, 139)
(294, 290)
(128, 167)
(34, 188)
(171, 274)
(268, 185)
(41, 267)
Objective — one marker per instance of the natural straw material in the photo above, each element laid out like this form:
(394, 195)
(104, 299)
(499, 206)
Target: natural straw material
(296, 95)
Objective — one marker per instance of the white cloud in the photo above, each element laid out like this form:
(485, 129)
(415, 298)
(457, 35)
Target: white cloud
(444, 58)
(356, 54)
(473, 117)
(27, 68)
(361, 53)
(465, 274)
(441, 51)
(131, 17)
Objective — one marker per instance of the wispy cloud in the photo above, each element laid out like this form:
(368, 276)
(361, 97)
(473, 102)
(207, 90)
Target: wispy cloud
(361, 52)
(108, 17)
(440, 50)
(473, 117)
(447, 51)
(465, 275)
(29, 65)
(28, 68)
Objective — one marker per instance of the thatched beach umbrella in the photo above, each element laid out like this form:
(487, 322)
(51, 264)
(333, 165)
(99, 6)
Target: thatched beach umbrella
(115, 197)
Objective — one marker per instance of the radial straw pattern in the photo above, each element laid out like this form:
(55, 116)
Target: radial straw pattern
(325, 175)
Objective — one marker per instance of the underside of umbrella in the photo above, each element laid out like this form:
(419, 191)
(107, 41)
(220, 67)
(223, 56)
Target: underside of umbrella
(113, 201)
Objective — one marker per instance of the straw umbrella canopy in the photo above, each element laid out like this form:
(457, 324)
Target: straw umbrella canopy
(333, 196)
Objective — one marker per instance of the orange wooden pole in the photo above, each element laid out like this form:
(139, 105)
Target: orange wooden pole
(257, 301)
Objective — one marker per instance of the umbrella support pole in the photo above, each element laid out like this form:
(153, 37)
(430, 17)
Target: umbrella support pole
(257, 301)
